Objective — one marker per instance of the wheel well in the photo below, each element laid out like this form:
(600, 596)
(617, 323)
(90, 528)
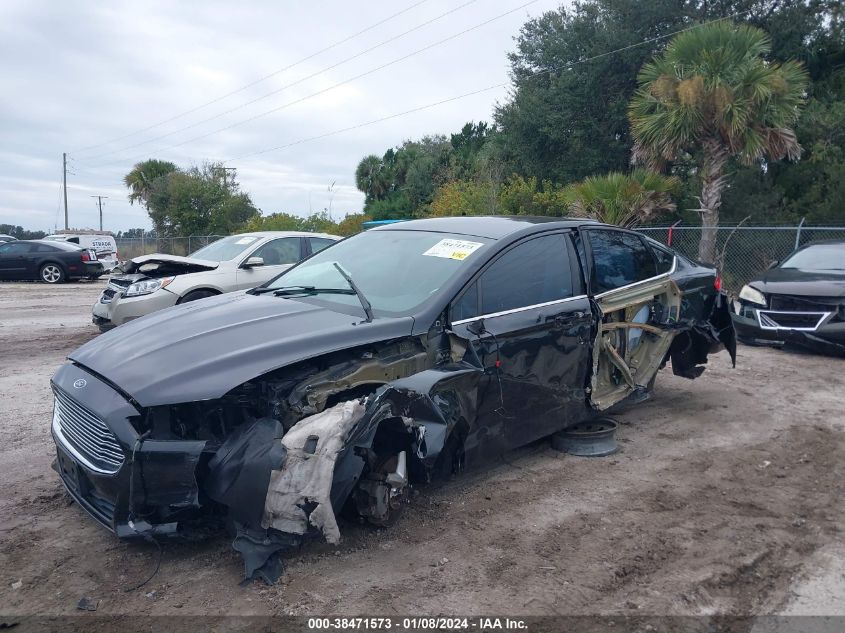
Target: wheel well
(187, 294)
(57, 263)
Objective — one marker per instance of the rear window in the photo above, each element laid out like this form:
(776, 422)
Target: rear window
(619, 259)
(63, 246)
(664, 258)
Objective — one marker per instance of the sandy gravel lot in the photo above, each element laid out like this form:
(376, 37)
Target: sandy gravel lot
(727, 497)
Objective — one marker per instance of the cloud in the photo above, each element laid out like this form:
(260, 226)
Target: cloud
(79, 74)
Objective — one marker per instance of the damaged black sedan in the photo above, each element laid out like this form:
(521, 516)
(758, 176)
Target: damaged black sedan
(398, 355)
(800, 300)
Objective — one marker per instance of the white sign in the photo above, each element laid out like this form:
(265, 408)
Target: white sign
(453, 249)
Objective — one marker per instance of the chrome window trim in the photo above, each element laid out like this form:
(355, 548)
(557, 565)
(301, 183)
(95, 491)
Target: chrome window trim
(823, 317)
(643, 281)
(515, 310)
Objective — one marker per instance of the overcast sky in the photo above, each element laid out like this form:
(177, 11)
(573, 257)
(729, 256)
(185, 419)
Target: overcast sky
(78, 76)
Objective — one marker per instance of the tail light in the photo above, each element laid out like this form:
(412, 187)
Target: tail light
(717, 283)
(86, 257)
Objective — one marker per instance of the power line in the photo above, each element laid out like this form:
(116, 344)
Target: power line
(257, 81)
(285, 87)
(334, 86)
(537, 73)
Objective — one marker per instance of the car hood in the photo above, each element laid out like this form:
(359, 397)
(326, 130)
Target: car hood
(202, 349)
(173, 264)
(806, 283)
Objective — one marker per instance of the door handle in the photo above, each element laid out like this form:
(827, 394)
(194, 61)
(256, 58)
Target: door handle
(569, 319)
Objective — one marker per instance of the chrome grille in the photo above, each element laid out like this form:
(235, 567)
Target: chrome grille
(85, 435)
(802, 321)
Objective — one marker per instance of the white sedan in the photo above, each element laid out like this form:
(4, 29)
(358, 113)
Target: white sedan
(153, 282)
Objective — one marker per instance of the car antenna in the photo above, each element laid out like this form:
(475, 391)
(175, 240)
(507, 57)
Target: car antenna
(368, 309)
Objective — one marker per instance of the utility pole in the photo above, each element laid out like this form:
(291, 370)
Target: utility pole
(225, 179)
(100, 205)
(64, 184)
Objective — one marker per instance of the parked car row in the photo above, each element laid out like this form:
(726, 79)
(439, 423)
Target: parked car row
(395, 356)
(103, 244)
(50, 262)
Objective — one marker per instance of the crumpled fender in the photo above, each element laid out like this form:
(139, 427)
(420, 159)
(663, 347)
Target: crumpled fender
(691, 347)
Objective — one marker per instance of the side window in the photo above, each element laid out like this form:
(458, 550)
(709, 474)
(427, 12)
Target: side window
(73, 240)
(319, 243)
(44, 248)
(467, 306)
(278, 252)
(619, 259)
(15, 248)
(533, 272)
(664, 258)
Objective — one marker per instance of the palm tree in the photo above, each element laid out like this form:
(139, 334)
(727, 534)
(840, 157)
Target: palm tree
(369, 177)
(712, 94)
(140, 179)
(622, 199)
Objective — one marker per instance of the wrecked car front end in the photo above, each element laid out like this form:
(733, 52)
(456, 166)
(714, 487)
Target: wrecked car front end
(139, 286)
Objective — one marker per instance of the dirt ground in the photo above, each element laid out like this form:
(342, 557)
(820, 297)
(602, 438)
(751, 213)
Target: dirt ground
(726, 497)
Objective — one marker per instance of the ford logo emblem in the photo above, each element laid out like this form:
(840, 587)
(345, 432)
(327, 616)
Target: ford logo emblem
(79, 384)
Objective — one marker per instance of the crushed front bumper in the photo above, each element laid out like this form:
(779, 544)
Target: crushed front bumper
(113, 309)
(149, 489)
(821, 331)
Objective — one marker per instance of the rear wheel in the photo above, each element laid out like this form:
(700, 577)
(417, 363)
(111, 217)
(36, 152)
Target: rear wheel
(51, 273)
(197, 294)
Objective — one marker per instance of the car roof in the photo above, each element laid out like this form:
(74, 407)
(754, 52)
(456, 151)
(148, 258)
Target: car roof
(840, 242)
(287, 234)
(491, 227)
(64, 245)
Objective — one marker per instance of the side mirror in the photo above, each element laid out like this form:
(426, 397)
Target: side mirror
(252, 262)
(476, 328)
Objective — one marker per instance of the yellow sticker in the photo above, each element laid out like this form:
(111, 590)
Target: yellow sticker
(453, 249)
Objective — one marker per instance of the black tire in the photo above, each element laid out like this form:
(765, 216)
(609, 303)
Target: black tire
(198, 294)
(51, 273)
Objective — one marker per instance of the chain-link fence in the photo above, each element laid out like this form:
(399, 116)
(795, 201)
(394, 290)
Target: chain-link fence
(129, 247)
(748, 250)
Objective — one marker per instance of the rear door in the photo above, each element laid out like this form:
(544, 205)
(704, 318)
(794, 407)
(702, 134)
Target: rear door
(527, 316)
(278, 254)
(639, 304)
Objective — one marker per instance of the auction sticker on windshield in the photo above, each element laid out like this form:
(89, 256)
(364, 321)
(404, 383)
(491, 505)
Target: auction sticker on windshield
(453, 249)
(246, 240)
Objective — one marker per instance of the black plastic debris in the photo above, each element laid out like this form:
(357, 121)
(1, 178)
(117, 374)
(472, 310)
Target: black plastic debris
(87, 604)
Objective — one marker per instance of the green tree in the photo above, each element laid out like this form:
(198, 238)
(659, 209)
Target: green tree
(713, 95)
(142, 176)
(200, 201)
(623, 199)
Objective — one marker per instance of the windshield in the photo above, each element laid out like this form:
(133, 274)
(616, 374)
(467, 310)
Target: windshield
(397, 271)
(225, 249)
(818, 257)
